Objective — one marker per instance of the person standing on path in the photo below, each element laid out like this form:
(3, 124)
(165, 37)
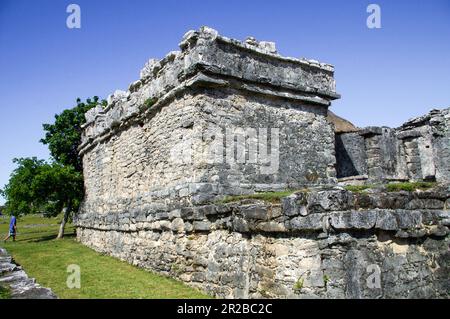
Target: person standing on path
(12, 228)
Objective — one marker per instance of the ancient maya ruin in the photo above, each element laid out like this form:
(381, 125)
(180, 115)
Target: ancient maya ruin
(222, 118)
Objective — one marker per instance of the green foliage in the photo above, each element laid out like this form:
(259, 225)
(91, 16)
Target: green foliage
(18, 192)
(409, 187)
(150, 102)
(357, 188)
(39, 187)
(298, 286)
(393, 187)
(271, 197)
(326, 279)
(64, 136)
(4, 293)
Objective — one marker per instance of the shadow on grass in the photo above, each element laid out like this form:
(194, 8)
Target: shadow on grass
(50, 237)
(40, 239)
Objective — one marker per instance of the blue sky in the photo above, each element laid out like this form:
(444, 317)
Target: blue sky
(385, 75)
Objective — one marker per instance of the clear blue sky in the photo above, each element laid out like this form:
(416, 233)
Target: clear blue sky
(385, 76)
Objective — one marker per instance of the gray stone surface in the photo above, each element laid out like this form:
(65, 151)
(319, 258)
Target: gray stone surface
(134, 151)
(153, 193)
(16, 280)
(254, 249)
(418, 150)
(351, 157)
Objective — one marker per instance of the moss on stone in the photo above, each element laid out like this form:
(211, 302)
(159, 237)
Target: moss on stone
(409, 187)
(271, 197)
(357, 188)
(150, 102)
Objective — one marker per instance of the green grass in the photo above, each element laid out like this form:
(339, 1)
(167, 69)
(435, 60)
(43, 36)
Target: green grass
(393, 187)
(4, 293)
(46, 259)
(271, 197)
(409, 187)
(357, 188)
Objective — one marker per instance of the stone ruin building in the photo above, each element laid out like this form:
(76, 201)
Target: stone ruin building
(419, 150)
(162, 180)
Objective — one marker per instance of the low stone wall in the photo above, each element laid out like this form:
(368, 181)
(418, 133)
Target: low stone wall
(324, 242)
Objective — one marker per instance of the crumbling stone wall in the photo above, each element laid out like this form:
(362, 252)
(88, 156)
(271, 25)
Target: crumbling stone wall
(325, 242)
(152, 189)
(154, 142)
(351, 156)
(416, 151)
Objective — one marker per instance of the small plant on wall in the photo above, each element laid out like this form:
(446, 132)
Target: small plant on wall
(326, 279)
(298, 286)
(150, 102)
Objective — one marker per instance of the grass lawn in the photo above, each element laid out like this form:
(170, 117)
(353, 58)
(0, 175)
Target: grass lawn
(4, 293)
(46, 259)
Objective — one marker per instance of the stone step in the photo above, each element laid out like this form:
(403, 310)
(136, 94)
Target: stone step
(18, 282)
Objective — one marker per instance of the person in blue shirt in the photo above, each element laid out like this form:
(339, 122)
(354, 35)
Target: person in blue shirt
(12, 228)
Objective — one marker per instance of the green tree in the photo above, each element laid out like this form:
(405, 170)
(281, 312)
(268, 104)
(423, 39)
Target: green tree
(18, 192)
(64, 136)
(36, 186)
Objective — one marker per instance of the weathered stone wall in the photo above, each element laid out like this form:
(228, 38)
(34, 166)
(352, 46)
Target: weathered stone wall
(418, 150)
(157, 159)
(327, 243)
(351, 157)
(163, 138)
(142, 163)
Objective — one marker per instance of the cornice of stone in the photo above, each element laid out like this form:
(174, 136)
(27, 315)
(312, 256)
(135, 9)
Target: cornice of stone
(207, 59)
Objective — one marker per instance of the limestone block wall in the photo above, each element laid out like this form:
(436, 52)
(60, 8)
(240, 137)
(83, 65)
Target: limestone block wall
(418, 150)
(318, 243)
(158, 158)
(163, 157)
(351, 156)
(176, 133)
